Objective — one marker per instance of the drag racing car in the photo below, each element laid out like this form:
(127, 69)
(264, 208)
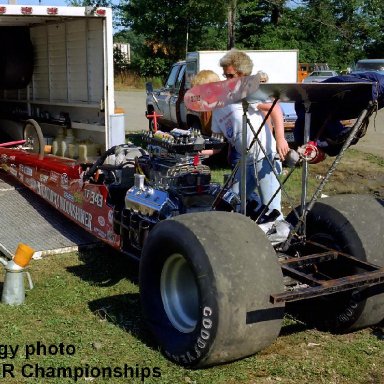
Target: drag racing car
(214, 283)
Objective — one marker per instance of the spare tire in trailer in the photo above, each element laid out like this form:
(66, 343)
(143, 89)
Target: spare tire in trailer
(16, 59)
(34, 137)
(205, 285)
(353, 224)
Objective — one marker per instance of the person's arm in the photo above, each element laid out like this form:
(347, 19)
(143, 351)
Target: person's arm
(264, 108)
(282, 146)
(215, 128)
(209, 152)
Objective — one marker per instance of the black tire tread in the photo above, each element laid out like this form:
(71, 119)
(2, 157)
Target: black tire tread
(237, 263)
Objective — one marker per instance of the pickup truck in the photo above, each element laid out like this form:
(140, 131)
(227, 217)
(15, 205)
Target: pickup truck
(168, 101)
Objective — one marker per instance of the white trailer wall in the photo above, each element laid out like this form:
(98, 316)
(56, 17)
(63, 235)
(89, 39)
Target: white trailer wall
(72, 74)
(281, 65)
(61, 70)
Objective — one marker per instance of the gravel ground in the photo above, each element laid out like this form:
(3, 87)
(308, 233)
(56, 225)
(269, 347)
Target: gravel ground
(373, 141)
(133, 103)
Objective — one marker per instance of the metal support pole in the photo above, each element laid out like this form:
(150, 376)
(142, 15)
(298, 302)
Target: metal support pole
(304, 175)
(243, 161)
(359, 122)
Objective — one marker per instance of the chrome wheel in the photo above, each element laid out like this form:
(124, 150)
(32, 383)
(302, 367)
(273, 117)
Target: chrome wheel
(179, 293)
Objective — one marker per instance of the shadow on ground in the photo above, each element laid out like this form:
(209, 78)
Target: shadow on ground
(105, 267)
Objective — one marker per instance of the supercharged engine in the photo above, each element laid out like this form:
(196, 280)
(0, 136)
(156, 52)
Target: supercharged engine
(168, 180)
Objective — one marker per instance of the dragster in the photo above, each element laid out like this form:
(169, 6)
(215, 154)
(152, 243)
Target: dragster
(214, 287)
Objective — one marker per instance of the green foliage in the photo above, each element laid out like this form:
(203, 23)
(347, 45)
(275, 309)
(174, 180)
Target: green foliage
(89, 3)
(169, 28)
(149, 67)
(121, 62)
(338, 32)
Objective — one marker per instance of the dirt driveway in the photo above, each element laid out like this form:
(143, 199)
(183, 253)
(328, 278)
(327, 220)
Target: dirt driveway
(373, 141)
(133, 102)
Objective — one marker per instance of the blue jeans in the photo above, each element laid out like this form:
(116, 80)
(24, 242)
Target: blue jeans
(261, 179)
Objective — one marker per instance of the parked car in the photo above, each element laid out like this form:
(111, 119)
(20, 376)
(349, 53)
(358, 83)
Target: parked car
(318, 76)
(368, 65)
(289, 115)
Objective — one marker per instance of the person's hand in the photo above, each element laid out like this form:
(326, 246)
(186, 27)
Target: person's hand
(205, 152)
(209, 152)
(282, 147)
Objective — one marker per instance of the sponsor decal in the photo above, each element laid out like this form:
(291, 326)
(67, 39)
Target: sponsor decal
(101, 221)
(28, 171)
(100, 233)
(111, 236)
(110, 216)
(49, 195)
(93, 197)
(78, 196)
(54, 176)
(32, 183)
(78, 214)
(44, 178)
(13, 171)
(64, 180)
(69, 196)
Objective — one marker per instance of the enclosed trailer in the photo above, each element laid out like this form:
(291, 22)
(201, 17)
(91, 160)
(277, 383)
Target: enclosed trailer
(56, 76)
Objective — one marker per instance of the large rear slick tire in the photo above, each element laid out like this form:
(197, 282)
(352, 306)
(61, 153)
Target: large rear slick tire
(353, 224)
(205, 283)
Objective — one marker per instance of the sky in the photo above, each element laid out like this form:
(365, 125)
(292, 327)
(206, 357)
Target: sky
(63, 2)
(36, 2)
(58, 3)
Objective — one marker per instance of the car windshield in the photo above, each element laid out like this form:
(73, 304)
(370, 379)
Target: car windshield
(375, 66)
(321, 73)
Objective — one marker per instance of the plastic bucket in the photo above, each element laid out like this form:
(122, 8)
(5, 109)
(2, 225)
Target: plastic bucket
(23, 255)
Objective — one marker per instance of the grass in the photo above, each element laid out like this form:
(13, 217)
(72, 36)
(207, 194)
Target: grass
(89, 302)
(358, 172)
(133, 81)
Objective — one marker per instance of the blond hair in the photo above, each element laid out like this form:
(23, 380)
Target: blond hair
(263, 76)
(239, 60)
(205, 76)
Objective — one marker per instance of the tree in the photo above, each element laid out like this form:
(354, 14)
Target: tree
(142, 61)
(90, 3)
(259, 18)
(372, 28)
(334, 31)
(345, 30)
(231, 21)
(172, 26)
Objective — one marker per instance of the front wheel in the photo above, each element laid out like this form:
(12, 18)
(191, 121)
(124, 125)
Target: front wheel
(205, 283)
